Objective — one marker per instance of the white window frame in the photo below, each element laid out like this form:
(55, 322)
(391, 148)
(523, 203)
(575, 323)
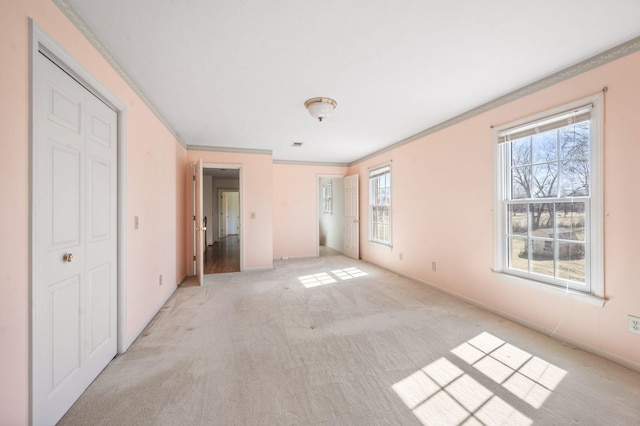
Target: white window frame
(594, 259)
(373, 173)
(327, 198)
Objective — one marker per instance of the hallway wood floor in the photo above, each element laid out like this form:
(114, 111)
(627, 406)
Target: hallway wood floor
(223, 256)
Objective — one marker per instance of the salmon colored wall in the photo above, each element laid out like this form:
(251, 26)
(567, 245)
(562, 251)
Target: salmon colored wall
(442, 211)
(295, 197)
(255, 196)
(155, 163)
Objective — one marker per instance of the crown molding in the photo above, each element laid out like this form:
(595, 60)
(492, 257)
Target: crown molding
(77, 21)
(229, 149)
(603, 58)
(310, 163)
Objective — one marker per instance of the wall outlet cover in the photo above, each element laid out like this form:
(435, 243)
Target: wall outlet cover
(634, 324)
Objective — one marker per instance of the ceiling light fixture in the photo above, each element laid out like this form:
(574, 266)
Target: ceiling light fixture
(320, 107)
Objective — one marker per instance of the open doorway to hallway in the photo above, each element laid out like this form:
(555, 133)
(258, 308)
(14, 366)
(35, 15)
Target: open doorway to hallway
(221, 212)
(330, 215)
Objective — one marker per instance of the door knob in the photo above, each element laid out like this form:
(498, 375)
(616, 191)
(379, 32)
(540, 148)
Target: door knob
(68, 257)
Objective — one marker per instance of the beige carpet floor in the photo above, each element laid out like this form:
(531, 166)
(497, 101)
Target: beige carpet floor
(333, 341)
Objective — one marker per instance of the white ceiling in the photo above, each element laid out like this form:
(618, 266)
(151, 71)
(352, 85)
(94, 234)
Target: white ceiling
(236, 74)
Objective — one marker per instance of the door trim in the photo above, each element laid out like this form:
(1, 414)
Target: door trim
(318, 203)
(42, 43)
(241, 196)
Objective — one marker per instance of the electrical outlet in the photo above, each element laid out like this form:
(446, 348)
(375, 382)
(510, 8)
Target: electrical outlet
(433, 266)
(400, 256)
(160, 280)
(634, 324)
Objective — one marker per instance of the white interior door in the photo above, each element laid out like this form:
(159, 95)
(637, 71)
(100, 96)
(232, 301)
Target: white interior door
(222, 207)
(233, 213)
(199, 223)
(351, 217)
(74, 283)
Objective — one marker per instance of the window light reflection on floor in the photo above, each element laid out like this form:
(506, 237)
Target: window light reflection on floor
(316, 279)
(324, 278)
(348, 273)
(442, 393)
(530, 378)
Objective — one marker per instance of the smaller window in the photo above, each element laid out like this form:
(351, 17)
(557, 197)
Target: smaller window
(380, 205)
(327, 198)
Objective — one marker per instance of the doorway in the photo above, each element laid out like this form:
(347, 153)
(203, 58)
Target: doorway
(221, 208)
(330, 215)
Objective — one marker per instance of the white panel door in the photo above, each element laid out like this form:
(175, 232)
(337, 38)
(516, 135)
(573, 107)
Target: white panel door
(351, 217)
(75, 240)
(233, 213)
(222, 207)
(199, 223)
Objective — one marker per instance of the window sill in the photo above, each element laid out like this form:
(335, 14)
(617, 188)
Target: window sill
(380, 243)
(549, 288)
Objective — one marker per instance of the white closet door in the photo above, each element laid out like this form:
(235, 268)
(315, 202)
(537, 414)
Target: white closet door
(75, 240)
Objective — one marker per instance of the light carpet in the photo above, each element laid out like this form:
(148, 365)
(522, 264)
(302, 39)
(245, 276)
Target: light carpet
(334, 341)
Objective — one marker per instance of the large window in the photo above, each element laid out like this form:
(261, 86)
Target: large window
(380, 205)
(549, 198)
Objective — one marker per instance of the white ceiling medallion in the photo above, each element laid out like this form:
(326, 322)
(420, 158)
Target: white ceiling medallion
(320, 107)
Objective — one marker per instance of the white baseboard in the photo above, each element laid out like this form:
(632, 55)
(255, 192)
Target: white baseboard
(312, 256)
(258, 268)
(146, 322)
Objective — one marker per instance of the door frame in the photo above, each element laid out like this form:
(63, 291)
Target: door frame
(240, 190)
(319, 203)
(41, 42)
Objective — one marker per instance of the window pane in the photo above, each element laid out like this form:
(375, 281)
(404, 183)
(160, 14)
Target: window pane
(518, 219)
(575, 140)
(521, 152)
(542, 219)
(384, 233)
(545, 146)
(545, 180)
(518, 254)
(575, 178)
(542, 257)
(571, 261)
(570, 221)
(520, 182)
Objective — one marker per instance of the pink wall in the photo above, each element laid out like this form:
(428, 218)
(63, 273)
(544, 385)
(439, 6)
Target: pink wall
(155, 187)
(255, 197)
(443, 212)
(295, 197)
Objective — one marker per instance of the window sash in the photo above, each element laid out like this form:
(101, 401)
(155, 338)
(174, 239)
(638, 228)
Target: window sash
(561, 252)
(327, 198)
(380, 205)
